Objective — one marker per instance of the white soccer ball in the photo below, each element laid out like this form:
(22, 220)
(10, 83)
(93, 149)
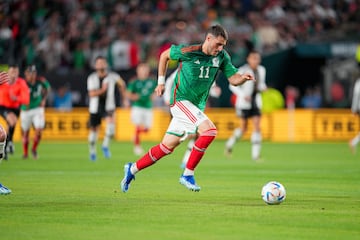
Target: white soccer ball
(273, 193)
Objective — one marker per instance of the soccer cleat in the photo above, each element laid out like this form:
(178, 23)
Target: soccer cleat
(4, 190)
(128, 177)
(106, 152)
(228, 152)
(25, 156)
(10, 148)
(93, 157)
(34, 154)
(189, 183)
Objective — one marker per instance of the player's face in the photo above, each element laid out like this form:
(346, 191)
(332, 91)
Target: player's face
(30, 76)
(254, 59)
(13, 74)
(143, 71)
(101, 67)
(215, 45)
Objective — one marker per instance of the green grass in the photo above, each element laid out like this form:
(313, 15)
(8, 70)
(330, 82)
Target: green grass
(65, 196)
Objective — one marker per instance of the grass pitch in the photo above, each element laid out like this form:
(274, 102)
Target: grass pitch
(63, 195)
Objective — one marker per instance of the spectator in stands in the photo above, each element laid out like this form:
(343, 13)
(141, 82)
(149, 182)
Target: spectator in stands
(63, 98)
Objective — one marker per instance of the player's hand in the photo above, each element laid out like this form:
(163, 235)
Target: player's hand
(4, 77)
(159, 90)
(248, 77)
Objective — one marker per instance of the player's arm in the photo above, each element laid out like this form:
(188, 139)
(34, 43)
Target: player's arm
(98, 92)
(163, 64)
(120, 83)
(45, 91)
(239, 79)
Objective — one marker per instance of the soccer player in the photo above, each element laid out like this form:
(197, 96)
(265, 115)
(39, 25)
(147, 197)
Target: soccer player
(248, 104)
(12, 94)
(101, 86)
(355, 109)
(198, 67)
(33, 114)
(140, 92)
(4, 78)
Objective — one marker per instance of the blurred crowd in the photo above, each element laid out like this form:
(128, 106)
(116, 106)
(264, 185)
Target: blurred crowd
(66, 35)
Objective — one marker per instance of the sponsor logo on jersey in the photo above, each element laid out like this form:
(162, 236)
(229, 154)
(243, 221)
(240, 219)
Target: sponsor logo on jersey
(197, 61)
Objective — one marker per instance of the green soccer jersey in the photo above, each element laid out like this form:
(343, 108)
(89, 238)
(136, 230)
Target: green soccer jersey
(145, 88)
(197, 72)
(36, 93)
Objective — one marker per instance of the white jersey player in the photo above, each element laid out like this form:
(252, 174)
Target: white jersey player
(248, 104)
(101, 86)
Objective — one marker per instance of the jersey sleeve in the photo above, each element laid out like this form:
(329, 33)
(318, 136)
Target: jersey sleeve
(45, 83)
(90, 83)
(227, 67)
(130, 86)
(175, 52)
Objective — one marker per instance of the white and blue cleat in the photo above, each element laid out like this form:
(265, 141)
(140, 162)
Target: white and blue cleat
(189, 183)
(4, 190)
(106, 152)
(128, 177)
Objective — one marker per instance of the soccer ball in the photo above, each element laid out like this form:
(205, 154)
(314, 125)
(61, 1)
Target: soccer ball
(273, 193)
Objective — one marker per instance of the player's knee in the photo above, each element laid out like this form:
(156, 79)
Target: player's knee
(110, 130)
(212, 132)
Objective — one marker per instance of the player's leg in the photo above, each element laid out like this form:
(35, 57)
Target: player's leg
(11, 119)
(154, 154)
(143, 126)
(3, 190)
(137, 118)
(94, 123)
(184, 112)
(109, 134)
(354, 142)
(3, 137)
(256, 139)
(38, 120)
(188, 150)
(238, 132)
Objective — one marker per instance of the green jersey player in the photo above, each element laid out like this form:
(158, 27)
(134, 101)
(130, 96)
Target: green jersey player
(141, 92)
(33, 114)
(198, 66)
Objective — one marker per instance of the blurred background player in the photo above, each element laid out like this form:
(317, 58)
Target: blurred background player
(355, 109)
(248, 104)
(140, 92)
(101, 86)
(12, 95)
(4, 78)
(33, 114)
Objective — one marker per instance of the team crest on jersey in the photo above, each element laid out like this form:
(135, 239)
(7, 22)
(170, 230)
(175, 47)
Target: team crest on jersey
(215, 62)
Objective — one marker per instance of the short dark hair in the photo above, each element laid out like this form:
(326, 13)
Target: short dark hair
(100, 57)
(217, 30)
(253, 51)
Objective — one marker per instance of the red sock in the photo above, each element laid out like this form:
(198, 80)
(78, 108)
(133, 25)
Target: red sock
(137, 136)
(36, 142)
(200, 147)
(153, 155)
(25, 141)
